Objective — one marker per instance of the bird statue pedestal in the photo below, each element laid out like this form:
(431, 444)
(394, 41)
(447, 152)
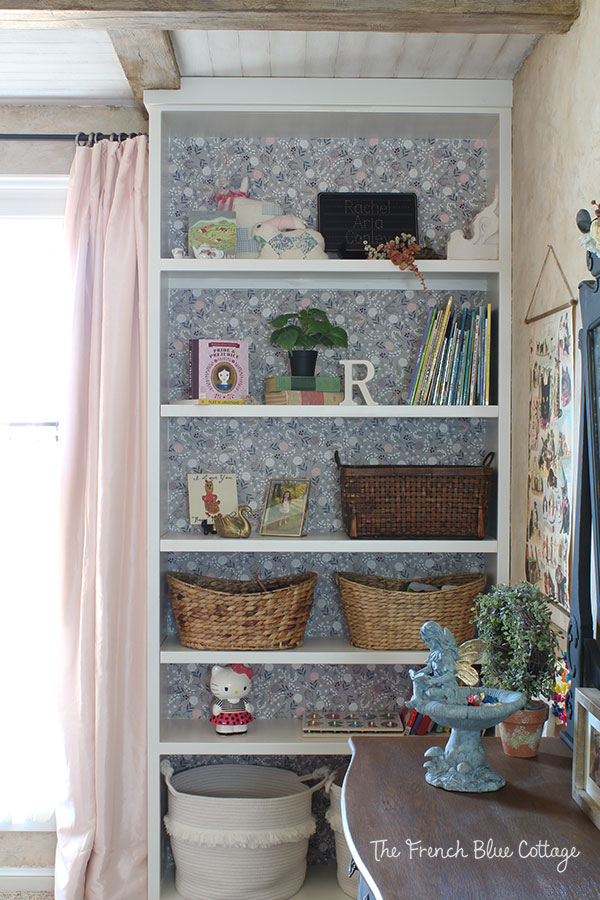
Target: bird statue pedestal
(461, 765)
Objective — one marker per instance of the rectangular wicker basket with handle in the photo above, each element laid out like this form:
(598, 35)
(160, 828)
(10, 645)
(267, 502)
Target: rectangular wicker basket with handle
(415, 501)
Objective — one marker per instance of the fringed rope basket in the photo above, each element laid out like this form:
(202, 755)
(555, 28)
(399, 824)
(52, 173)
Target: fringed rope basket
(239, 831)
(342, 851)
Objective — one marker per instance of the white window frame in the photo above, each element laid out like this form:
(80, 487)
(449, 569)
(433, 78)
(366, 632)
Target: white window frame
(37, 196)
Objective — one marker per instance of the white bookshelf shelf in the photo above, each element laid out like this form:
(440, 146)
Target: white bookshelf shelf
(314, 650)
(269, 737)
(352, 274)
(274, 411)
(330, 542)
(320, 884)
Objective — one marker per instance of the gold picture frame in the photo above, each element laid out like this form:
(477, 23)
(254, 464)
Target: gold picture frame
(285, 508)
(586, 753)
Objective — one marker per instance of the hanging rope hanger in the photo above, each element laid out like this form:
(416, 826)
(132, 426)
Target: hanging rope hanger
(549, 312)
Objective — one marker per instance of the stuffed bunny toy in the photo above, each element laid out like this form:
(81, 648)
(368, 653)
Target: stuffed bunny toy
(287, 237)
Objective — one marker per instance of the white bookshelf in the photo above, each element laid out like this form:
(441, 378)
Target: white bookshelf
(337, 108)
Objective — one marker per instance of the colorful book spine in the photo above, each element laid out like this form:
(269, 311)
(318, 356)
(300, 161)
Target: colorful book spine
(420, 355)
(451, 361)
(304, 398)
(302, 383)
(474, 359)
(433, 326)
(457, 361)
(436, 397)
(435, 360)
(488, 333)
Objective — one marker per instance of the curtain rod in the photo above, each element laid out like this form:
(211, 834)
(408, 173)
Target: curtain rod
(81, 139)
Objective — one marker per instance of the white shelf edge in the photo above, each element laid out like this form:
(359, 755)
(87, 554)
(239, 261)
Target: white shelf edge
(321, 884)
(191, 410)
(443, 275)
(265, 737)
(314, 650)
(279, 267)
(331, 542)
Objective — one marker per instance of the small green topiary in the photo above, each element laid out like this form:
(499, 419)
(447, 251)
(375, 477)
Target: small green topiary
(520, 645)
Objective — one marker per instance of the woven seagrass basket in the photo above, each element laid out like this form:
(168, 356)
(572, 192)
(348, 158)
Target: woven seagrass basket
(381, 615)
(415, 501)
(223, 614)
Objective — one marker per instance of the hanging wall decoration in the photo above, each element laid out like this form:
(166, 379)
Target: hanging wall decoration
(550, 447)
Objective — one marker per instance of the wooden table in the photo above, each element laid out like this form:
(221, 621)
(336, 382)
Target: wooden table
(412, 841)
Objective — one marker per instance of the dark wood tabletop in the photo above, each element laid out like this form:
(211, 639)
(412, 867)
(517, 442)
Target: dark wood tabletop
(412, 841)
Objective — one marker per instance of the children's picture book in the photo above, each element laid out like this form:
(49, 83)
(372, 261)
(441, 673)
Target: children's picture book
(211, 495)
(218, 370)
(210, 230)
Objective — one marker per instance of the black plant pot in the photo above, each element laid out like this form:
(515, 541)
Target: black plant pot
(303, 362)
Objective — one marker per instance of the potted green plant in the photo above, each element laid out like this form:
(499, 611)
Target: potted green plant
(300, 332)
(520, 655)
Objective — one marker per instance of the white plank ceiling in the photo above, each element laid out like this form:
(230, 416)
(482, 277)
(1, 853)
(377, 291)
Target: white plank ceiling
(350, 54)
(62, 65)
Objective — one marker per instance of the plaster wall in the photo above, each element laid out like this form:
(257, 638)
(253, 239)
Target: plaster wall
(44, 157)
(556, 170)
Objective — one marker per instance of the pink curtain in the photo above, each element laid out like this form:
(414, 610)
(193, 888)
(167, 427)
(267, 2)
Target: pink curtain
(101, 817)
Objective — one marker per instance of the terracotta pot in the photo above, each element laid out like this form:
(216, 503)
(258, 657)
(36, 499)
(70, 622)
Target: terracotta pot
(521, 732)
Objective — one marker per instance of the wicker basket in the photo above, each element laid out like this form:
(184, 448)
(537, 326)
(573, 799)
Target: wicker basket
(221, 614)
(415, 501)
(383, 616)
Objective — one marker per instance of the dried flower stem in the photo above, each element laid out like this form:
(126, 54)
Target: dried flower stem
(401, 251)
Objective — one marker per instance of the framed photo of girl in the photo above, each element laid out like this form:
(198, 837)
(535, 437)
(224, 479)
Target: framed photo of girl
(286, 505)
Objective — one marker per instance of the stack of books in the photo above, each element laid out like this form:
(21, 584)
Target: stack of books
(453, 364)
(303, 390)
(415, 722)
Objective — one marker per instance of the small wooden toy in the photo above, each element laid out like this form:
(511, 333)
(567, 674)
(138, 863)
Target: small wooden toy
(231, 712)
(323, 724)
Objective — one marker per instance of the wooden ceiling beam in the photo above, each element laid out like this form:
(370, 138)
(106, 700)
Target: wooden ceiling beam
(147, 59)
(459, 16)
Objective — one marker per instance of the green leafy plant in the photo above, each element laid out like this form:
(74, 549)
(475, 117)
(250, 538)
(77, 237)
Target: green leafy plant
(305, 330)
(520, 646)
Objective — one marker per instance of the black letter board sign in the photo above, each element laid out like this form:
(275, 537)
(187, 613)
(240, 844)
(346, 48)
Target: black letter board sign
(346, 220)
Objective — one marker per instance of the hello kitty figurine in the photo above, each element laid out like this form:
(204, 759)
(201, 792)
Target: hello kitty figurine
(230, 686)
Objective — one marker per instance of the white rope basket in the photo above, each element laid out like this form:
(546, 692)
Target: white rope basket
(239, 832)
(342, 851)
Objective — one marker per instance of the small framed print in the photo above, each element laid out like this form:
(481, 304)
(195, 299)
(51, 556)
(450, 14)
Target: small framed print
(286, 505)
(586, 753)
(210, 495)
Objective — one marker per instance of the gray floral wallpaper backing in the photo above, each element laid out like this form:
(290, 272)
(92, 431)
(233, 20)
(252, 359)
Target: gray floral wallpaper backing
(449, 178)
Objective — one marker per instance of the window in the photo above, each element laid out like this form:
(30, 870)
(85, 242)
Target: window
(35, 321)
